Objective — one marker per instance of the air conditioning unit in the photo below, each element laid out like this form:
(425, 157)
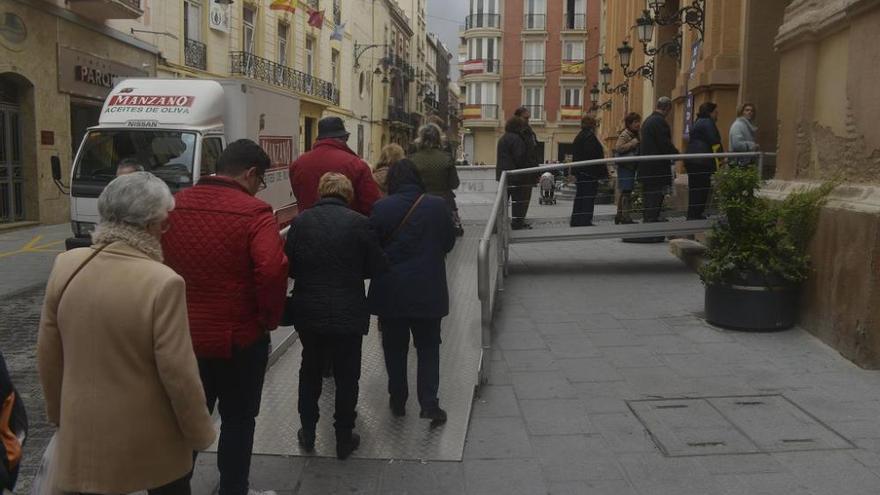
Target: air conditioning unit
(218, 19)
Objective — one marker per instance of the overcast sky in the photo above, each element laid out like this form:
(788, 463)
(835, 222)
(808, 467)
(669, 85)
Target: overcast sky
(444, 18)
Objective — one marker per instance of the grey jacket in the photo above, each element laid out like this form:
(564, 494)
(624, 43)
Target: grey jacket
(742, 135)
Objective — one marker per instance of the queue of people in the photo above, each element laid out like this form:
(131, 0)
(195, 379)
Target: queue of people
(209, 273)
(516, 150)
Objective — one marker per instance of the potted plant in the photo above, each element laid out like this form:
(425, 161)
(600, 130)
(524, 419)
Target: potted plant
(756, 257)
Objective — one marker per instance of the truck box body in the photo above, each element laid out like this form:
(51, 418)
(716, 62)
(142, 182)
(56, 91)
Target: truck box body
(176, 128)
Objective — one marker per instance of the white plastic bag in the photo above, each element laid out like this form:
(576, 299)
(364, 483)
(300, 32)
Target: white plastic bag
(44, 481)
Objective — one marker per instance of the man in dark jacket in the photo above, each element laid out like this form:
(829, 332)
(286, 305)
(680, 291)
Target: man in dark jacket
(512, 154)
(13, 428)
(656, 175)
(224, 242)
(332, 154)
(331, 251)
(587, 147)
(417, 233)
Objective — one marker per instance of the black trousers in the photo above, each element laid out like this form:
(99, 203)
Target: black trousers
(652, 198)
(584, 201)
(520, 193)
(395, 343)
(345, 353)
(699, 190)
(235, 385)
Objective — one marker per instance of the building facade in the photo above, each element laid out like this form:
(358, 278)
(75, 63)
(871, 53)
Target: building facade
(534, 53)
(57, 64)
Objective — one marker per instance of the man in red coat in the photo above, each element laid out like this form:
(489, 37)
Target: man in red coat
(332, 154)
(224, 242)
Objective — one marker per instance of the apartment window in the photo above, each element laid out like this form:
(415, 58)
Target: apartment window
(572, 97)
(334, 67)
(533, 58)
(533, 99)
(283, 40)
(575, 14)
(310, 54)
(192, 20)
(249, 29)
(535, 17)
(573, 50)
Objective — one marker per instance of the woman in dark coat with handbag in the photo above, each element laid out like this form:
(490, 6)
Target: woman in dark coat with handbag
(587, 147)
(417, 233)
(331, 251)
(704, 138)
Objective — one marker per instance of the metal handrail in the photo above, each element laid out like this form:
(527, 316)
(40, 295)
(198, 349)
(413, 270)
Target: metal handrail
(497, 223)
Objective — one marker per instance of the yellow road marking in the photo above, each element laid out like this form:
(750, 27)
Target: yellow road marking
(33, 247)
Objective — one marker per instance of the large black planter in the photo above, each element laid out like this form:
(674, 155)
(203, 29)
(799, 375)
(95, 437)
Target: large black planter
(755, 308)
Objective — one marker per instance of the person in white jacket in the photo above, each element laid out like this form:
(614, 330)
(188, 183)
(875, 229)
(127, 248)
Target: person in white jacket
(744, 132)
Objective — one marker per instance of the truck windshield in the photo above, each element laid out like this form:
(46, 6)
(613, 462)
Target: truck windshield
(166, 154)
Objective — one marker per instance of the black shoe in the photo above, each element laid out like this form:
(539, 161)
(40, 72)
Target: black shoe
(306, 439)
(436, 415)
(398, 408)
(346, 444)
(520, 226)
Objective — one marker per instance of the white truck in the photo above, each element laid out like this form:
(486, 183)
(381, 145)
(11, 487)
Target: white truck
(176, 129)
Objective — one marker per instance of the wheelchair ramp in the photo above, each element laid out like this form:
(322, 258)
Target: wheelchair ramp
(382, 435)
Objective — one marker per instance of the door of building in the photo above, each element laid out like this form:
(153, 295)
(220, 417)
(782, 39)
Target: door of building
(11, 171)
(309, 131)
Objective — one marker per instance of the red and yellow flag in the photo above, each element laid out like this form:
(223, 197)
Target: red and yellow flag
(285, 5)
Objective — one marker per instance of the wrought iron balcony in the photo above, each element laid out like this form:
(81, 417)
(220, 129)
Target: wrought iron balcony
(258, 68)
(400, 116)
(479, 111)
(535, 22)
(477, 21)
(575, 22)
(533, 68)
(195, 54)
(103, 10)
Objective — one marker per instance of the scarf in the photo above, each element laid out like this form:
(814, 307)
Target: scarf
(137, 238)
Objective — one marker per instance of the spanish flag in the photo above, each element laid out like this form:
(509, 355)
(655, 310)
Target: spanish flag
(573, 67)
(285, 5)
(571, 113)
(470, 112)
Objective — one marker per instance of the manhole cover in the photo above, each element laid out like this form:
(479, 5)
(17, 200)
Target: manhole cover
(733, 425)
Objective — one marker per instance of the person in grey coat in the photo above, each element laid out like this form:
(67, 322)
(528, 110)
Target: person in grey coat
(744, 133)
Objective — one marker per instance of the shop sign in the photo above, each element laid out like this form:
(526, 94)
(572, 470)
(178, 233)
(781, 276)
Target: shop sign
(279, 149)
(86, 75)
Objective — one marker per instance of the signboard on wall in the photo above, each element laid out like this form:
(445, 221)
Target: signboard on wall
(82, 74)
(689, 104)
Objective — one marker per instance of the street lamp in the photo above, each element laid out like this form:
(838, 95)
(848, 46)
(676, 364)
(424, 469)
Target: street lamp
(605, 74)
(694, 15)
(646, 70)
(645, 28)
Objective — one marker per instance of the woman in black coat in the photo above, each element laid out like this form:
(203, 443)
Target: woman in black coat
(512, 154)
(704, 138)
(416, 231)
(331, 251)
(587, 147)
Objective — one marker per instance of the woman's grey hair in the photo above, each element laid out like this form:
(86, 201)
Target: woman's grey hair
(430, 136)
(136, 199)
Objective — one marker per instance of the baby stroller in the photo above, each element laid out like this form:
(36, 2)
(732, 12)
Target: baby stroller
(548, 189)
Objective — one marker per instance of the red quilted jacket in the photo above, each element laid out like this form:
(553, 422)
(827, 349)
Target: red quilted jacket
(225, 244)
(330, 155)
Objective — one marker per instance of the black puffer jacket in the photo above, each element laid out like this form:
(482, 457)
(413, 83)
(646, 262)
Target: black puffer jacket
(332, 250)
(656, 139)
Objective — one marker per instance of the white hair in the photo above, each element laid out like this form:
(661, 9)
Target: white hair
(136, 200)
(664, 103)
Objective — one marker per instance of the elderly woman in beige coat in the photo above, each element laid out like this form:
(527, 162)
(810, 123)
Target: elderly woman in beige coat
(115, 357)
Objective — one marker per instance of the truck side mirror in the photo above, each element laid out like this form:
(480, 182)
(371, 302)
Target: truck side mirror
(56, 168)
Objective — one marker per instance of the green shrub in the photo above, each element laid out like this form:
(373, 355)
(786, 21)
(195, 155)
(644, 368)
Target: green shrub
(756, 241)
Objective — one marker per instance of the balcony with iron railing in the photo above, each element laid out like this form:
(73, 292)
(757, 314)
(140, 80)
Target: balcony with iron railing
(195, 54)
(533, 68)
(483, 21)
(473, 113)
(399, 115)
(103, 10)
(478, 67)
(573, 68)
(574, 22)
(535, 22)
(260, 69)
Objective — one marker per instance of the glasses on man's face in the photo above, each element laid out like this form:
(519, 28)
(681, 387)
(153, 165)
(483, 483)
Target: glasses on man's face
(262, 182)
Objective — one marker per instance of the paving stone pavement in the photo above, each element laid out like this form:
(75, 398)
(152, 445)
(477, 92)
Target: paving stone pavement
(584, 328)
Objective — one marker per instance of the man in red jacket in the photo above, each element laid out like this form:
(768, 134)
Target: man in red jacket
(332, 154)
(224, 242)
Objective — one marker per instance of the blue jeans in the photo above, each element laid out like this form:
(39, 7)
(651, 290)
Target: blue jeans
(626, 179)
(235, 385)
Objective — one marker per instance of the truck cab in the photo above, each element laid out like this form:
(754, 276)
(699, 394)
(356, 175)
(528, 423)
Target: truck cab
(177, 129)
